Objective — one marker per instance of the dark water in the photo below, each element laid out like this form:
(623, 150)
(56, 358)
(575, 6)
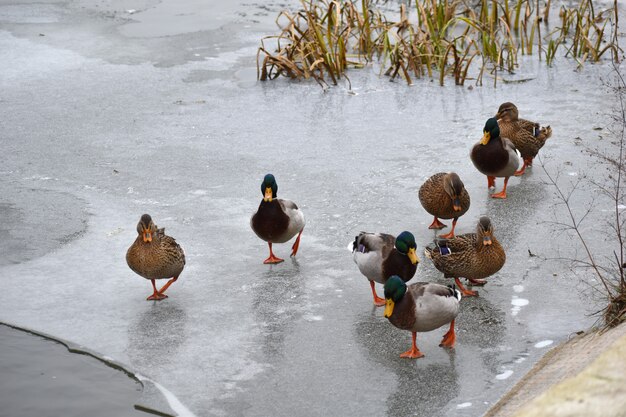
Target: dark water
(40, 377)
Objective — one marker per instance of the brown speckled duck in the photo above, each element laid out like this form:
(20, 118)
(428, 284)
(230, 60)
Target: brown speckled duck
(379, 256)
(495, 156)
(444, 196)
(155, 255)
(528, 137)
(277, 220)
(473, 256)
(421, 307)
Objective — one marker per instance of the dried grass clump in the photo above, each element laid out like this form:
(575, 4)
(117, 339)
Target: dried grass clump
(325, 38)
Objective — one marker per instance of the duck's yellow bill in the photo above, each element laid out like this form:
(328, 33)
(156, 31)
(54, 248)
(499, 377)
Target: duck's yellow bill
(456, 204)
(147, 236)
(268, 194)
(413, 256)
(486, 138)
(486, 240)
(389, 304)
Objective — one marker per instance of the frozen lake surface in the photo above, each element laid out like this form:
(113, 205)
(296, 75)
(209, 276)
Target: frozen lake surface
(113, 108)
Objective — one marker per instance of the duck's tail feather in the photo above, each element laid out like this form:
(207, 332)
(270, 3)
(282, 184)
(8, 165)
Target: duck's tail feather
(455, 292)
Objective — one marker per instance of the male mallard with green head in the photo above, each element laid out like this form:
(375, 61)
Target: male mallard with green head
(528, 137)
(379, 256)
(421, 307)
(444, 196)
(473, 256)
(277, 220)
(495, 156)
(155, 255)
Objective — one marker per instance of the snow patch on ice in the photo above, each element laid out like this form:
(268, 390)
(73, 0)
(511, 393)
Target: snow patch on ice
(517, 304)
(504, 375)
(543, 344)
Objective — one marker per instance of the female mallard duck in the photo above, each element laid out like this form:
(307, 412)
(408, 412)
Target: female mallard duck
(277, 220)
(379, 256)
(528, 137)
(473, 256)
(155, 255)
(423, 308)
(444, 195)
(495, 156)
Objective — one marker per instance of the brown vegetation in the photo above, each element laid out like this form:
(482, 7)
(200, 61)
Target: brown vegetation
(326, 37)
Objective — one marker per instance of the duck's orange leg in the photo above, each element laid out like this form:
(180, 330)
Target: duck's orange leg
(529, 162)
(465, 291)
(451, 234)
(156, 295)
(477, 281)
(491, 182)
(378, 302)
(501, 194)
(436, 224)
(414, 352)
(449, 338)
(296, 245)
(167, 285)
(272, 259)
(521, 171)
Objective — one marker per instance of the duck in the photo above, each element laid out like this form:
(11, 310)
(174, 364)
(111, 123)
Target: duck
(155, 255)
(443, 195)
(528, 137)
(380, 255)
(474, 256)
(421, 307)
(495, 156)
(277, 220)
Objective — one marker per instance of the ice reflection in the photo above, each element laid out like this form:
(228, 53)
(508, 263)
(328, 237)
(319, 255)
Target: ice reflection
(422, 388)
(157, 332)
(482, 325)
(276, 304)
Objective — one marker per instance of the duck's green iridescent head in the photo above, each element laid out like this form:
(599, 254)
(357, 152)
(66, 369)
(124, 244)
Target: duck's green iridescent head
(395, 289)
(491, 130)
(269, 188)
(405, 244)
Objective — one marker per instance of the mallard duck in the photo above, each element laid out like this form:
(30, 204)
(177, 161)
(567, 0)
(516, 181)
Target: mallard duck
(473, 256)
(528, 137)
(495, 156)
(379, 256)
(426, 306)
(155, 255)
(277, 220)
(444, 195)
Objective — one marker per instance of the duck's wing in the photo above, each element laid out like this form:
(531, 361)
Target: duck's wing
(435, 305)
(459, 243)
(172, 249)
(296, 217)
(288, 205)
(528, 126)
(374, 242)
